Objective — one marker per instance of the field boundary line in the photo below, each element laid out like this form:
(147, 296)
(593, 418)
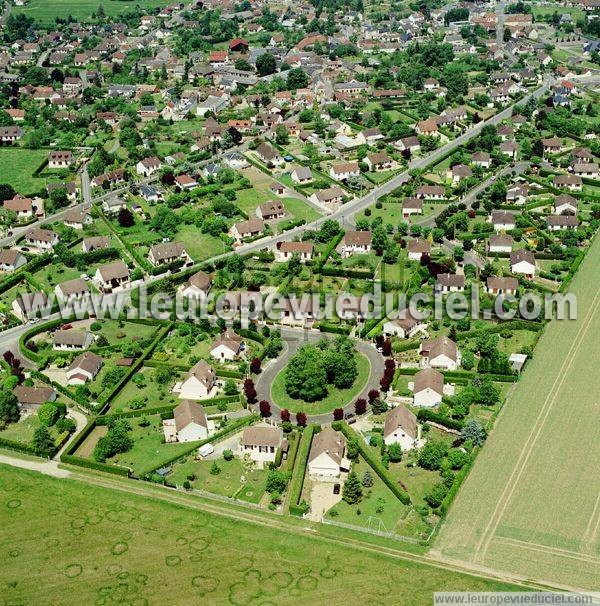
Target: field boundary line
(492, 526)
(591, 530)
(558, 551)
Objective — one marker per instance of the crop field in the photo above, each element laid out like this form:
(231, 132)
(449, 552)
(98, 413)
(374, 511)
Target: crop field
(69, 542)
(46, 11)
(531, 504)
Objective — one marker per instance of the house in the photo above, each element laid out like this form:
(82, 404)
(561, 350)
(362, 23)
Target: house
(239, 45)
(72, 340)
(277, 188)
(500, 243)
(95, 243)
(44, 239)
(428, 388)
(217, 58)
(431, 192)
(22, 207)
(199, 382)
(326, 458)
(213, 104)
(235, 160)
(517, 194)
(148, 166)
(460, 172)
(404, 328)
(440, 353)
(417, 248)
(185, 182)
(369, 136)
(113, 205)
(31, 398)
(356, 242)
(60, 159)
(72, 290)
(150, 193)
(84, 368)
(561, 222)
(552, 145)
(286, 250)
(572, 182)
(260, 443)
(247, 229)
(29, 305)
(10, 134)
(166, 253)
(302, 175)
(197, 287)
(269, 155)
(589, 170)
(11, 260)
(428, 128)
(503, 220)
(412, 206)
(331, 195)
(111, 275)
(565, 204)
(501, 286)
(228, 346)
(189, 423)
(410, 144)
(77, 219)
(509, 148)
(450, 283)
(523, 262)
(378, 162)
(482, 159)
(270, 210)
(344, 170)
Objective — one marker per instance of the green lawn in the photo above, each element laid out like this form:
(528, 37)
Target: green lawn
(227, 483)
(46, 11)
(153, 394)
(17, 166)
(198, 245)
(104, 546)
(148, 452)
(335, 398)
(23, 430)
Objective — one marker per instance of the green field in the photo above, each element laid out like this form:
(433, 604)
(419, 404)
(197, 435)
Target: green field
(68, 542)
(17, 166)
(46, 11)
(531, 505)
(336, 398)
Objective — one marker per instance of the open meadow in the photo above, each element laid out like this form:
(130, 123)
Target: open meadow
(531, 504)
(68, 542)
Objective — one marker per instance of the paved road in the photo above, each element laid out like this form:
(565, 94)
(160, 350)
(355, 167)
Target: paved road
(293, 339)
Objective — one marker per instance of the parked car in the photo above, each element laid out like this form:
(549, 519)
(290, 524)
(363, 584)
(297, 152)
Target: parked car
(336, 489)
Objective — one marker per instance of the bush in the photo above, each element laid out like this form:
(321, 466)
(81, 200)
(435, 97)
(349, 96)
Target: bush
(47, 414)
(228, 454)
(96, 326)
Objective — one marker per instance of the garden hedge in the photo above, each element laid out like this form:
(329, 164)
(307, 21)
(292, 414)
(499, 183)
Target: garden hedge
(425, 415)
(300, 463)
(376, 465)
(90, 464)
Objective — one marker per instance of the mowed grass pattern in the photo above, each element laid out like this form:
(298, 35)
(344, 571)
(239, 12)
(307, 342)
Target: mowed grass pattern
(67, 542)
(531, 505)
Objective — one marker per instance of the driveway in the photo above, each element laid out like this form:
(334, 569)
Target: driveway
(322, 498)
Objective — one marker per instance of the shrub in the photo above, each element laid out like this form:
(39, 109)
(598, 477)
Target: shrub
(215, 470)
(95, 326)
(228, 454)
(47, 414)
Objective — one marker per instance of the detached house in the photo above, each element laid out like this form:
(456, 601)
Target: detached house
(500, 243)
(247, 229)
(11, 260)
(440, 353)
(71, 340)
(148, 166)
(84, 368)
(565, 204)
(270, 210)
(167, 253)
(60, 159)
(326, 459)
(22, 207)
(561, 222)
(31, 398)
(417, 248)
(199, 382)
(344, 171)
(112, 275)
(503, 220)
(523, 262)
(450, 283)
(302, 175)
(412, 206)
(428, 388)
(286, 250)
(500, 286)
(572, 182)
(356, 242)
(72, 290)
(379, 162)
(269, 155)
(44, 239)
(227, 346)
(197, 287)
(553, 145)
(405, 328)
(189, 423)
(261, 442)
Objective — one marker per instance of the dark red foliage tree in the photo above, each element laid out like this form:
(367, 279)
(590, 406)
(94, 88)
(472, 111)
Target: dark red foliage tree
(373, 395)
(255, 366)
(285, 415)
(301, 419)
(360, 406)
(379, 340)
(338, 414)
(125, 217)
(250, 391)
(265, 408)
(386, 348)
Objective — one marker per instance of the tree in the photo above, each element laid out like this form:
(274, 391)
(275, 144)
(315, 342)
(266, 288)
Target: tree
(352, 491)
(474, 431)
(301, 419)
(266, 64)
(297, 78)
(367, 480)
(432, 454)
(265, 408)
(215, 470)
(125, 217)
(305, 376)
(277, 481)
(47, 414)
(360, 406)
(352, 447)
(250, 391)
(228, 454)
(255, 366)
(338, 414)
(394, 452)
(436, 495)
(285, 415)
(373, 395)
(117, 440)
(487, 393)
(9, 407)
(43, 444)
(282, 136)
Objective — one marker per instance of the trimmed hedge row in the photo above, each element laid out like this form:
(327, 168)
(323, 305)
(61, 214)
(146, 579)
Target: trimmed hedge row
(330, 247)
(17, 446)
(425, 415)
(333, 328)
(299, 471)
(459, 478)
(376, 465)
(88, 463)
(341, 272)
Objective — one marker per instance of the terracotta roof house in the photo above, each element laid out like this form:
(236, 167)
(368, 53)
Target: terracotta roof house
(31, 398)
(326, 458)
(260, 443)
(227, 346)
(401, 427)
(84, 368)
(440, 353)
(356, 242)
(428, 388)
